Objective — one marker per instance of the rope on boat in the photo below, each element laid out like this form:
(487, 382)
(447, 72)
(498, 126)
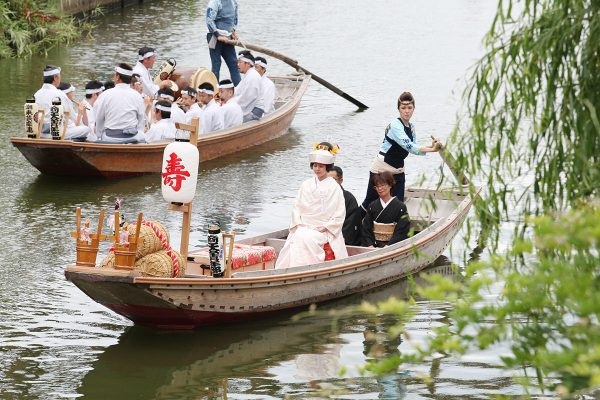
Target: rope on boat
(165, 242)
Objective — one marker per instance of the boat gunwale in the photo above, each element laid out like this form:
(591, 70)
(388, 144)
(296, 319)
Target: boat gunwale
(203, 140)
(367, 259)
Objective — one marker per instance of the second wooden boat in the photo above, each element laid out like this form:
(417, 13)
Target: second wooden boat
(86, 159)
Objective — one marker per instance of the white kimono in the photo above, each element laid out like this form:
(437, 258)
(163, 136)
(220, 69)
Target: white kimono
(161, 130)
(319, 203)
(248, 93)
(44, 97)
(268, 94)
(149, 87)
(194, 112)
(213, 119)
(232, 114)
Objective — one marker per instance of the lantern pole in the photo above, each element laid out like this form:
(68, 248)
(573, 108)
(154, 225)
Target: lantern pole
(186, 208)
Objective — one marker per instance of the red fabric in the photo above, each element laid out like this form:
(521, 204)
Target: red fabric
(244, 255)
(329, 254)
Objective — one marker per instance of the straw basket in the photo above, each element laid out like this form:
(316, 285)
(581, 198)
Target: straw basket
(148, 241)
(160, 264)
(383, 232)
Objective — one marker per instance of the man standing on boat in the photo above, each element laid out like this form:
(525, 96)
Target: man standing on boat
(120, 111)
(221, 21)
(146, 59)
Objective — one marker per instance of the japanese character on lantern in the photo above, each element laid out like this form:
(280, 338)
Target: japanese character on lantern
(174, 173)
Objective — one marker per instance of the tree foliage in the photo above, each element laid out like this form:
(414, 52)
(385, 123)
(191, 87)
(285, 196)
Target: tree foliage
(35, 26)
(533, 108)
(531, 135)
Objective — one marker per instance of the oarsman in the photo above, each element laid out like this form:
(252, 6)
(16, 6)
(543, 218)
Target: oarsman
(49, 92)
(221, 21)
(188, 101)
(248, 94)
(162, 127)
(120, 110)
(268, 87)
(232, 112)
(177, 114)
(92, 90)
(211, 111)
(146, 59)
(77, 124)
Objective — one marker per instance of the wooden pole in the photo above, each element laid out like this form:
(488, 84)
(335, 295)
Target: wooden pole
(294, 63)
(448, 158)
(186, 208)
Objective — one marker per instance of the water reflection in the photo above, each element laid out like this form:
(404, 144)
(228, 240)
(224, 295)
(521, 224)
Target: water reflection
(305, 354)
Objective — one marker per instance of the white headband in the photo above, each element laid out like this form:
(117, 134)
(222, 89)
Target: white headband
(188, 92)
(69, 89)
(162, 108)
(146, 55)
(226, 86)
(249, 61)
(122, 71)
(92, 91)
(207, 91)
(261, 64)
(52, 72)
(166, 96)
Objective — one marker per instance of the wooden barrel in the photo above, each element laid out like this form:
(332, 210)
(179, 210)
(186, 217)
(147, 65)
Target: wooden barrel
(193, 77)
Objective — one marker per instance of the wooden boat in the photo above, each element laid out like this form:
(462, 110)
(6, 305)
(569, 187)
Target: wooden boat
(144, 363)
(87, 159)
(198, 299)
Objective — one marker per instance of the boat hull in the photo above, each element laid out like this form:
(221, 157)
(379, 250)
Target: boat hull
(83, 159)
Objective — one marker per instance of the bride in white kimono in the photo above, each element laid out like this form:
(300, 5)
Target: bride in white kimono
(317, 217)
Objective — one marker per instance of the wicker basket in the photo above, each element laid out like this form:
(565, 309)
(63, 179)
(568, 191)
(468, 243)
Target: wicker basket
(383, 232)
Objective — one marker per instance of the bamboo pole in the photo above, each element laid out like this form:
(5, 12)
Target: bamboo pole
(293, 63)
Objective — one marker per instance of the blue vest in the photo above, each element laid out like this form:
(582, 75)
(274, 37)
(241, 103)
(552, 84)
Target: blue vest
(396, 154)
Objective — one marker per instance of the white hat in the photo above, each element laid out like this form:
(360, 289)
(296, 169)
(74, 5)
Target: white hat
(321, 156)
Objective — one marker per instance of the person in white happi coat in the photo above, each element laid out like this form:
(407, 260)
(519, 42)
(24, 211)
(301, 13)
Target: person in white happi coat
(190, 104)
(317, 217)
(177, 114)
(232, 112)
(146, 59)
(248, 93)
(120, 111)
(49, 92)
(92, 90)
(211, 111)
(268, 87)
(162, 127)
(78, 118)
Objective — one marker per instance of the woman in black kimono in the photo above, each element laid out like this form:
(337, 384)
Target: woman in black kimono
(387, 221)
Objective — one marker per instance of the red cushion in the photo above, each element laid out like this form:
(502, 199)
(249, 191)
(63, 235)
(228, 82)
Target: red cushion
(244, 255)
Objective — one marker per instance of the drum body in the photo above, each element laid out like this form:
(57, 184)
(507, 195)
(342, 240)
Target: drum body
(193, 77)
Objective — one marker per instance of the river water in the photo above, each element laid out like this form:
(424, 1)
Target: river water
(56, 343)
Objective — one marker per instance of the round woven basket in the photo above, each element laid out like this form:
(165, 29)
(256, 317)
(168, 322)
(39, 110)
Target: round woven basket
(383, 232)
(148, 242)
(108, 261)
(160, 264)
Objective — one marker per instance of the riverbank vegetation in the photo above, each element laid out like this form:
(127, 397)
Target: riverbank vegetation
(531, 136)
(31, 27)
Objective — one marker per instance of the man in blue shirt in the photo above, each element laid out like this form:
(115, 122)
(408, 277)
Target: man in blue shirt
(221, 21)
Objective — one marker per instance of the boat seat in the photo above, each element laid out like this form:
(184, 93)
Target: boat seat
(245, 257)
